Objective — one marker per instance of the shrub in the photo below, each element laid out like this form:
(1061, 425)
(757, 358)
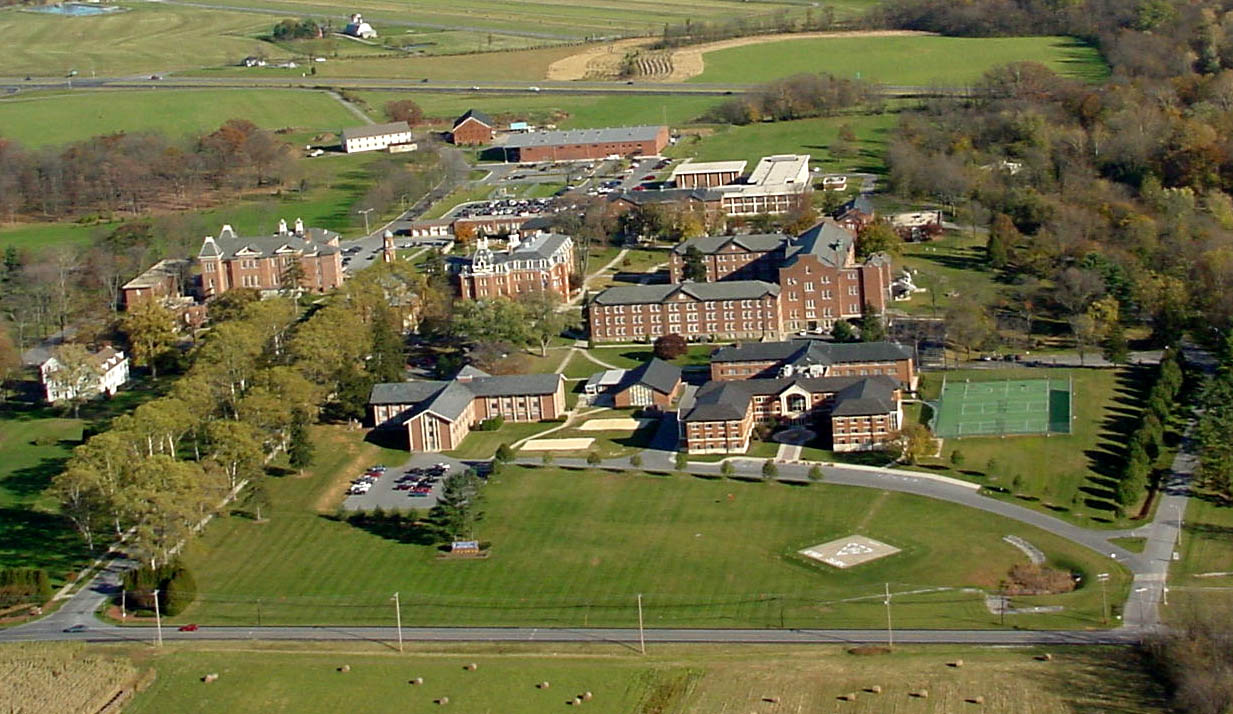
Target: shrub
(815, 473)
(175, 585)
(727, 469)
(24, 585)
(635, 460)
(681, 460)
(956, 458)
(179, 592)
(1031, 579)
(491, 424)
(504, 454)
(593, 458)
(769, 469)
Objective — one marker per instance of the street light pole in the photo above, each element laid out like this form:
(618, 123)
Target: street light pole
(158, 619)
(890, 632)
(641, 633)
(398, 619)
(365, 211)
(1104, 600)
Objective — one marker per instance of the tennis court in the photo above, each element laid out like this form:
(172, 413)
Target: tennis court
(998, 407)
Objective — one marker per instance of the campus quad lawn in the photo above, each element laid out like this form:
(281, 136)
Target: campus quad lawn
(1053, 469)
(483, 444)
(801, 136)
(574, 547)
(572, 112)
(900, 60)
(147, 38)
(60, 118)
(697, 679)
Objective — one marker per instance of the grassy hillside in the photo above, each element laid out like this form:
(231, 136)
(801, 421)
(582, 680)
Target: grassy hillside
(900, 60)
(567, 112)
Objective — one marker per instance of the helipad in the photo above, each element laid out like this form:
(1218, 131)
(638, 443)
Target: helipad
(849, 551)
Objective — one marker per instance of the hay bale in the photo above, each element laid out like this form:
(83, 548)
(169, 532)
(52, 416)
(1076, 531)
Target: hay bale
(849, 697)
(471, 667)
(345, 668)
(957, 663)
(771, 700)
(542, 685)
(920, 694)
(975, 700)
(443, 700)
(211, 677)
(1046, 657)
(418, 681)
(586, 696)
(875, 689)
(576, 701)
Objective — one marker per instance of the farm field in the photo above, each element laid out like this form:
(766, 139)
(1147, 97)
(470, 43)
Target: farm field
(900, 60)
(572, 548)
(802, 136)
(676, 679)
(567, 112)
(147, 38)
(61, 118)
(1051, 472)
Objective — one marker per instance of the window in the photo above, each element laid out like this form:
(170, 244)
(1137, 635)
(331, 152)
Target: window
(852, 290)
(808, 287)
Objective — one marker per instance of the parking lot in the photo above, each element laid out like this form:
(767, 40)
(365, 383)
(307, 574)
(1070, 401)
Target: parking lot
(384, 493)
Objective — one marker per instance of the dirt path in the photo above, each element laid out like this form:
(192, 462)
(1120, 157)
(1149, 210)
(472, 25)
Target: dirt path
(687, 62)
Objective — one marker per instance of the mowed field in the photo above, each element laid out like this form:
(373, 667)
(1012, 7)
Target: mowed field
(148, 38)
(573, 548)
(899, 60)
(670, 679)
(60, 118)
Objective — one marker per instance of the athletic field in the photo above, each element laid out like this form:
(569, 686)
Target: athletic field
(1009, 406)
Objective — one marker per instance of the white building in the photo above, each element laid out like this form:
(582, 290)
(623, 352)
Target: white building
(375, 137)
(109, 371)
(358, 28)
(777, 185)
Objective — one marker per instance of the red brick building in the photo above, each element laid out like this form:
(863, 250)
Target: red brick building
(580, 144)
(852, 413)
(655, 384)
(707, 174)
(262, 262)
(542, 262)
(731, 310)
(161, 281)
(438, 415)
(813, 358)
(474, 128)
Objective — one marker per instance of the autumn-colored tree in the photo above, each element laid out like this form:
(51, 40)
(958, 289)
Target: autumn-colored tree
(404, 110)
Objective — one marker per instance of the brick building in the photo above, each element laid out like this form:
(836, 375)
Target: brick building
(263, 262)
(542, 262)
(655, 384)
(162, 281)
(730, 310)
(438, 415)
(580, 144)
(474, 128)
(814, 358)
(851, 413)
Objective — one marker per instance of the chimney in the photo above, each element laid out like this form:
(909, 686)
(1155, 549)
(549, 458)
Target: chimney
(387, 246)
(299, 226)
(282, 226)
(513, 242)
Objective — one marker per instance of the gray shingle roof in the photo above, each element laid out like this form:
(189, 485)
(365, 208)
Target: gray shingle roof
(869, 396)
(515, 385)
(570, 137)
(538, 247)
(228, 245)
(478, 116)
(670, 195)
(756, 243)
(356, 132)
(450, 399)
(812, 352)
(827, 241)
(723, 290)
(656, 374)
(854, 396)
(403, 392)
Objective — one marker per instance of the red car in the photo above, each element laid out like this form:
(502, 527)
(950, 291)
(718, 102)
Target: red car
(188, 628)
(649, 177)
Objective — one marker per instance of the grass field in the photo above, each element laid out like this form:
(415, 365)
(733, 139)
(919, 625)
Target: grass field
(954, 264)
(572, 548)
(1050, 472)
(60, 118)
(900, 60)
(148, 38)
(567, 112)
(803, 136)
(671, 679)
(1203, 578)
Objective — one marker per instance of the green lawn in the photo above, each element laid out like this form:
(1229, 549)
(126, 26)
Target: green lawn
(148, 38)
(61, 118)
(952, 268)
(483, 444)
(1051, 471)
(572, 548)
(630, 357)
(567, 112)
(802, 136)
(900, 60)
(1203, 577)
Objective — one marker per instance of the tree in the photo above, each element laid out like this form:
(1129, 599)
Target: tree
(915, 443)
(872, 327)
(842, 331)
(10, 361)
(300, 448)
(594, 459)
(504, 454)
(544, 320)
(150, 329)
(968, 325)
(956, 458)
(695, 265)
(635, 460)
(815, 473)
(1115, 348)
(1086, 333)
(387, 363)
(769, 470)
(726, 468)
(493, 320)
(232, 304)
(258, 496)
(83, 498)
(75, 378)
(235, 447)
(404, 110)
(681, 460)
(877, 237)
(1003, 237)
(460, 506)
(670, 347)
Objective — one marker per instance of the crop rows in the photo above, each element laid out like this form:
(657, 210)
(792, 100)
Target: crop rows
(38, 678)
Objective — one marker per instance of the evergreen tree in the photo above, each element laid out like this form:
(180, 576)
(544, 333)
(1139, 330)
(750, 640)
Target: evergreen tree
(460, 506)
(1115, 348)
(300, 451)
(695, 267)
(842, 331)
(388, 363)
(872, 328)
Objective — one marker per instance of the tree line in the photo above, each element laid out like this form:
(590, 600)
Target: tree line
(797, 97)
(262, 373)
(779, 21)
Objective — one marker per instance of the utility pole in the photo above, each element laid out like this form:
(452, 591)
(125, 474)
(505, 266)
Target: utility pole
(123, 604)
(365, 211)
(890, 632)
(398, 619)
(1104, 600)
(158, 619)
(641, 633)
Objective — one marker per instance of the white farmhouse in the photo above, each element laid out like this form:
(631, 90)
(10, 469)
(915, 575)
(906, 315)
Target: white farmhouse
(375, 137)
(108, 371)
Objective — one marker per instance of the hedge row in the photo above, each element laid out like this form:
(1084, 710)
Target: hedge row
(1147, 441)
(19, 586)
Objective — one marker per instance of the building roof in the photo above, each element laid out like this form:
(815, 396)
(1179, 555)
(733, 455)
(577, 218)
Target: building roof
(515, 385)
(827, 241)
(854, 396)
(657, 374)
(359, 132)
(709, 167)
(157, 274)
(403, 392)
(477, 115)
(723, 290)
(860, 204)
(812, 352)
(668, 195)
(540, 245)
(449, 399)
(754, 243)
(571, 137)
(781, 169)
(313, 241)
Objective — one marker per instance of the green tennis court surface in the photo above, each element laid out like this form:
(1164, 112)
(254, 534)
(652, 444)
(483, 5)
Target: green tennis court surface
(1011, 406)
